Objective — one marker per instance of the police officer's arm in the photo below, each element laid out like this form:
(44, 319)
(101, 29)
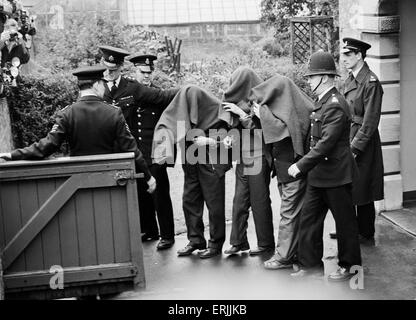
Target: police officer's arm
(127, 143)
(46, 146)
(159, 97)
(332, 126)
(373, 94)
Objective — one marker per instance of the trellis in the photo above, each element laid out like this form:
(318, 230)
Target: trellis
(309, 34)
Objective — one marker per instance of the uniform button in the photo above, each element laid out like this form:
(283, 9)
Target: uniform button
(140, 130)
(140, 138)
(139, 123)
(326, 159)
(153, 113)
(312, 125)
(128, 105)
(140, 115)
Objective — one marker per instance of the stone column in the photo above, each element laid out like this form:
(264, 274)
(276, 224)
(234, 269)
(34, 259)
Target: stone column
(381, 28)
(378, 23)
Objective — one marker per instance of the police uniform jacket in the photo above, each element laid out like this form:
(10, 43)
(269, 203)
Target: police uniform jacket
(364, 95)
(142, 107)
(91, 127)
(330, 162)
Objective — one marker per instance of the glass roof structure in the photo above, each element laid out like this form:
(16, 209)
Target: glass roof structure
(177, 12)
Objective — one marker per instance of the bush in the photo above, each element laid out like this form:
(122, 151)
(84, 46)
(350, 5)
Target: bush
(34, 104)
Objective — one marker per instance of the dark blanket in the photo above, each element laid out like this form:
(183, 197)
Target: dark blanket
(283, 101)
(192, 108)
(241, 82)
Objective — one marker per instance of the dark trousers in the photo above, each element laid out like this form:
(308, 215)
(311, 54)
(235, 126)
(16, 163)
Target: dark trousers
(159, 202)
(316, 205)
(366, 217)
(203, 184)
(252, 191)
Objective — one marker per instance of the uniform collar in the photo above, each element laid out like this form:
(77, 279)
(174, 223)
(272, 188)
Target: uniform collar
(325, 98)
(90, 98)
(362, 73)
(324, 93)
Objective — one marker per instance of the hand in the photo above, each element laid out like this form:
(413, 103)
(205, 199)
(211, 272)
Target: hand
(228, 142)
(5, 36)
(293, 171)
(231, 107)
(204, 141)
(152, 185)
(256, 109)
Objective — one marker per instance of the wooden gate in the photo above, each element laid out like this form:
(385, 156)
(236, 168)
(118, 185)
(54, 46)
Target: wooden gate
(72, 219)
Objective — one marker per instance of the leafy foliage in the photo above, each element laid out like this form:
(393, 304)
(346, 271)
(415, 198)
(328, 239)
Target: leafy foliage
(53, 87)
(277, 13)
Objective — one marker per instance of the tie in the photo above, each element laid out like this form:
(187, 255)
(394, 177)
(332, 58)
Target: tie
(113, 88)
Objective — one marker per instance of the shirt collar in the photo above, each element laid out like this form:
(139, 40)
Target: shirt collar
(324, 93)
(116, 82)
(356, 72)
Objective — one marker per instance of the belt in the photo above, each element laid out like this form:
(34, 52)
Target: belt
(357, 120)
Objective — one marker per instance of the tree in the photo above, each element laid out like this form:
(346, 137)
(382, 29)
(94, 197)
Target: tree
(277, 13)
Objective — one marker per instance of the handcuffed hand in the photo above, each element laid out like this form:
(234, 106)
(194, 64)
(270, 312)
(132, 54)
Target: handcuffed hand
(204, 141)
(233, 108)
(256, 109)
(152, 185)
(228, 142)
(293, 171)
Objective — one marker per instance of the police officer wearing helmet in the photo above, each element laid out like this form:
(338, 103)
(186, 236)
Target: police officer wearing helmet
(160, 202)
(90, 126)
(364, 93)
(330, 167)
(132, 96)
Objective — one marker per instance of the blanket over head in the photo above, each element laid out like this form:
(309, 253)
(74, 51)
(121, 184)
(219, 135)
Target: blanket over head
(241, 82)
(192, 108)
(283, 101)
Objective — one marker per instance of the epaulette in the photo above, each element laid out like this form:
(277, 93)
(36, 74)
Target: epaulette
(373, 79)
(334, 99)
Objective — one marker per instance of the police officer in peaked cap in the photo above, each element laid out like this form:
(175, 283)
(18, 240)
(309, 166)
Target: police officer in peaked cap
(364, 93)
(159, 204)
(133, 98)
(90, 126)
(330, 169)
(144, 64)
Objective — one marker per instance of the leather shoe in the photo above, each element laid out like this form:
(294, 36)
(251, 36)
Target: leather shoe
(333, 235)
(260, 250)
(209, 253)
(165, 244)
(342, 274)
(275, 264)
(187, 251)
(302, 273)
(149, 237)
(237, 249)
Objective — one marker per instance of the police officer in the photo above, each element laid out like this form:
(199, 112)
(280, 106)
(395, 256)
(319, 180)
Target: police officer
(132, 97)
(364, 93)
(330, 167)
(160, 201)
(90, 126)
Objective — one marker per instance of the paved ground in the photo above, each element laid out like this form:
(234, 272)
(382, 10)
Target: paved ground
(390, 272)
